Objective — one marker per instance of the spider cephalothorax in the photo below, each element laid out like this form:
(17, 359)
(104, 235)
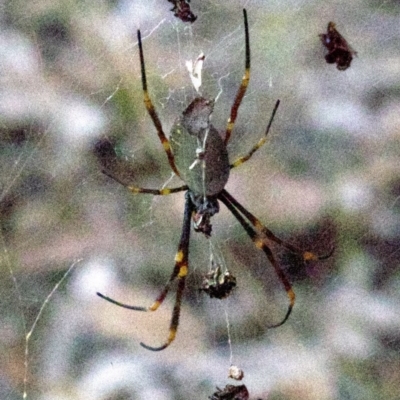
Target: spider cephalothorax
(204, 208)
(198, 155)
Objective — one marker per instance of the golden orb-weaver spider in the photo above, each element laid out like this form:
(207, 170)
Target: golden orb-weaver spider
(198, 155)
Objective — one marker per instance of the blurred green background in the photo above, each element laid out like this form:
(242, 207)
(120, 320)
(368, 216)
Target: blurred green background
(329, 175)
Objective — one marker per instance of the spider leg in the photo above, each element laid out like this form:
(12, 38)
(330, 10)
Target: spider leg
(136, 190)
(180, 272)
(243, 86)
(307, 255)
(152, 111)
(260, 143)
(157, 192)
(259, 242)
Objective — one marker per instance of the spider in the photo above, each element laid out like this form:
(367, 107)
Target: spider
(198, 155)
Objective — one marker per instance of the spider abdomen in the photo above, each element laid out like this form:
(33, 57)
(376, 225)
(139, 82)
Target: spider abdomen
(199, 152)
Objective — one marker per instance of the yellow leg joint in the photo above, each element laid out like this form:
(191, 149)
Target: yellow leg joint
(308, 256)
(259, 243)
(258, 225)
(179, 256)
(134, 190)
(147, 100)
(238, 162)
(172, 335)
(154, 306)
(229, 126)
(292, 296)
(183, 270)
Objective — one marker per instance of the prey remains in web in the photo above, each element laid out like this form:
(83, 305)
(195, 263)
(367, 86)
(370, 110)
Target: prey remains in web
(198, 154)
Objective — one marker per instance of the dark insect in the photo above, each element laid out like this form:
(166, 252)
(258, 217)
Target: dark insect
(339, 51)
(231, 392)
(218, 284)
(182, 10)
(198, 155)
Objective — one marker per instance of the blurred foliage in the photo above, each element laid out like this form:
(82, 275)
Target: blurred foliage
(328, 176)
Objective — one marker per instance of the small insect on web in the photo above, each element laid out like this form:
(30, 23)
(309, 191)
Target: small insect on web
(218, 283)
(231, 392)
(182, 10)
(339, 51)
(205, 174)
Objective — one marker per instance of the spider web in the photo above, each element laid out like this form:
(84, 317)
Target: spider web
(328, 175)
